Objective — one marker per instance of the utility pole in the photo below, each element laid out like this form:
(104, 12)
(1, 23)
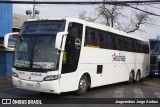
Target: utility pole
(34, 9)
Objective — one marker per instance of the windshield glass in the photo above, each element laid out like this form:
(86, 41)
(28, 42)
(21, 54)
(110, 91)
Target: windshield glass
(35, 48)
(155, 45)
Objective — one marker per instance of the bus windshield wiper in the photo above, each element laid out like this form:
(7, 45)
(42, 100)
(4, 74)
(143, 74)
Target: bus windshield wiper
(41, 67)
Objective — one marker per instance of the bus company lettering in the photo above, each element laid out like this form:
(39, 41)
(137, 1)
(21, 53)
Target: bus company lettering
(118, 57)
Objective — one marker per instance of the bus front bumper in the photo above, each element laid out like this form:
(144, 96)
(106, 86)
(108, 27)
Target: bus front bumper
(44, 86)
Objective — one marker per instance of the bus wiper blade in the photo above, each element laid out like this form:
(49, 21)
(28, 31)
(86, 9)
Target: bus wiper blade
(41, 67)
(21, 68)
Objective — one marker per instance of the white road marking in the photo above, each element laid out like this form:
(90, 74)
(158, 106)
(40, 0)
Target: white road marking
(157, 94)
(118, 93)
(138, 93)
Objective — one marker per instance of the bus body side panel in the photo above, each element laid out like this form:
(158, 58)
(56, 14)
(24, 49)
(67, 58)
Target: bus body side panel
(114, 70)
(142, 64)
(124, 68)
(69, 81)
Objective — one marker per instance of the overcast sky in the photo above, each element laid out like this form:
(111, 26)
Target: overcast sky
(49, 11)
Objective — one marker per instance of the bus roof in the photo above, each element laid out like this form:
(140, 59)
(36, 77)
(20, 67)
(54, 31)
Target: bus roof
(97, 26)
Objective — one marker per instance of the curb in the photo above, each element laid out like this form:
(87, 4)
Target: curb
(152, 83)
(7, 81)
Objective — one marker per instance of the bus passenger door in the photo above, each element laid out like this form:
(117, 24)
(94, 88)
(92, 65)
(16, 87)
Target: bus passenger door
(72, 48)
(71, 55)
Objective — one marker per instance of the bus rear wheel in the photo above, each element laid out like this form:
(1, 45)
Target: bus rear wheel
(138, 77)
(83, 85)
(131, 77)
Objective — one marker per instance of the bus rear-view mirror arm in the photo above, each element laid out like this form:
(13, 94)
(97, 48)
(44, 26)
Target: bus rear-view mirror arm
(60, 38)
(6, 41)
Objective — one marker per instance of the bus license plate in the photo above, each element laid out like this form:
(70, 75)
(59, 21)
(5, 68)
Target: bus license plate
(29, 85)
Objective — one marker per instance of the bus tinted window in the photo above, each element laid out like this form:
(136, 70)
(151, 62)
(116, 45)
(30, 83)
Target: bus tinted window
(42, 27)
(109, 41)
(103, 39)
(91, 37)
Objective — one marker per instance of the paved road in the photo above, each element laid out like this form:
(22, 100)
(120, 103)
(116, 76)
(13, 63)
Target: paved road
(120, 90)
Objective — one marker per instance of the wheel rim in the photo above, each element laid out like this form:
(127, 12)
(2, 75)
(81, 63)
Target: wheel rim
(83, 85)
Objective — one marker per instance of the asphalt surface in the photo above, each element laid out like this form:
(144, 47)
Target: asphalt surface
(148, 88)
(152, 81)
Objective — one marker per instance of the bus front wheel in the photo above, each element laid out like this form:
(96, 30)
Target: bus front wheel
(83, 85)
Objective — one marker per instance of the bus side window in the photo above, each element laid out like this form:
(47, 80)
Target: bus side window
(102, 40)
(108, 40)
(129, 45)
(125, 44)
(122, 43)
(75, 30)
(93, 38)
(87, 39)
(138, 46)
(117, 42)
(134, 45)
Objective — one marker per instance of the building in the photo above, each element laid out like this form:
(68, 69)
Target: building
(5, 27)
(8, 22)
(5, 19)
(18, 20)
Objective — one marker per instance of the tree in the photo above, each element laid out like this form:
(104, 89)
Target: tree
(116, 17)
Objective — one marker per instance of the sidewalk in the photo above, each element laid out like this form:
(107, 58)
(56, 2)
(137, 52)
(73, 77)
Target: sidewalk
(6, 81)
(152, 82)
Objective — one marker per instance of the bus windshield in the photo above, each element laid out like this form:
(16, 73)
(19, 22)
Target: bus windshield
(35, 48)
(155, 45)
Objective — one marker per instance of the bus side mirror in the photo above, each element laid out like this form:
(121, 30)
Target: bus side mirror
(60, 38)
(10, 40)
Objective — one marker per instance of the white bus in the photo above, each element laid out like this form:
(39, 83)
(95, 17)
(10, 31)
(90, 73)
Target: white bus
(69, 54)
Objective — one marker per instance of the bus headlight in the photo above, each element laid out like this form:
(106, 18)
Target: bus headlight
(51, 77)
(15, 74)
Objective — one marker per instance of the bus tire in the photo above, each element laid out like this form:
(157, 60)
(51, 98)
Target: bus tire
(131, 77)
(138, 76)
(83, 85)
